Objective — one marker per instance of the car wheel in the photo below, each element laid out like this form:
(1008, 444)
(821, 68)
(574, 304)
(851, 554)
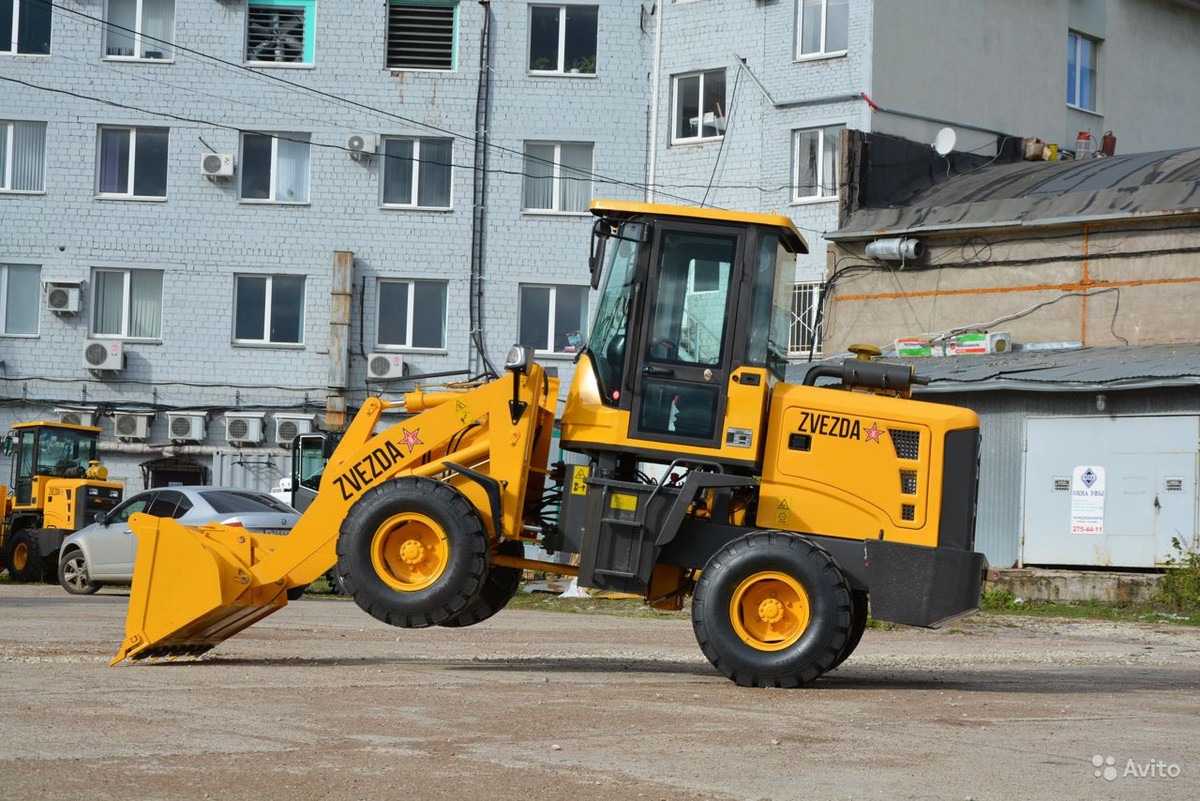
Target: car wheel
(73, 574)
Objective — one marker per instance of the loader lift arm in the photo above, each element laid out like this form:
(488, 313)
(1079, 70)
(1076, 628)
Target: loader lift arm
(195, 587)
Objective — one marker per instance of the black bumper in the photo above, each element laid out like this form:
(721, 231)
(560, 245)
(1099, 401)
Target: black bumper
(920, 586)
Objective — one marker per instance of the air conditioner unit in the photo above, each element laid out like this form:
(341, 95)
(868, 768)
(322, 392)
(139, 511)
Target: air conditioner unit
(385, 365)
(288, 426)
(62, 298)
(216, 165)
(76, 417)
(361, 145)
(244, 428)
(103, 355)
(132, 425)
(187, 426)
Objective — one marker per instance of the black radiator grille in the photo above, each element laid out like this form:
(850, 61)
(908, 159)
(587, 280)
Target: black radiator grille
(907, 443)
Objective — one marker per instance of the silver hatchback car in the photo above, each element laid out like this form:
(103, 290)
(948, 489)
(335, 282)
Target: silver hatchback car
(103, 553)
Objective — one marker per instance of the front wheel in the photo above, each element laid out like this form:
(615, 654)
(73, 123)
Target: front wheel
(772, 609)
(25, 562)
(498, 589)
(73, 574)
(413, 552)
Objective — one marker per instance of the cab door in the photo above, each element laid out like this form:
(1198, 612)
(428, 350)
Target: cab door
(685, 343)
(24, 460)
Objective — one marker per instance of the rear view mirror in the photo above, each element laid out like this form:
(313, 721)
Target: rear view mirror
(8, 444)
(102, 518)
(600, 232)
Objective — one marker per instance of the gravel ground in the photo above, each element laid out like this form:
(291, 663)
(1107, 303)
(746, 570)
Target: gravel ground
(321, 701)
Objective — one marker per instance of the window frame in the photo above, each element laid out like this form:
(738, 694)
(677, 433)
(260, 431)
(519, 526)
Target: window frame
(561, 71)
(309, 57)
(268, 299)
(14, 35)
(387, 33)
(411, 299)
(7, 127)
(126, 304)
(555, 180)
(138, 33)
(551, 315)
(811, 326)
(4, 285)
(133, 131)
(822, 53)
(820, 197)
(270, 200)
(675, 110)
(1076, 76)
(416, 173)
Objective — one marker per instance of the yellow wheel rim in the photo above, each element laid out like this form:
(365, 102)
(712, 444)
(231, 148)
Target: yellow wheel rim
(20, 557)
(769, 611)
(409, 551)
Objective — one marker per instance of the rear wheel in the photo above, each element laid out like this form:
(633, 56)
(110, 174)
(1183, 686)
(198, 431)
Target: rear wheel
(73, 574)
(498, 589)
(24, 558)
(858, 624)
(771, 610)
(412, 552)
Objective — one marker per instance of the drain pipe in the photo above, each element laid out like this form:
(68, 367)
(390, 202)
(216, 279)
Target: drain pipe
(652, 159)
(477, 359)
(340, 292)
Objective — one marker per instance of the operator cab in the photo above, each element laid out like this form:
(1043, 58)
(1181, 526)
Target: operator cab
(48, 450)
(691, 331)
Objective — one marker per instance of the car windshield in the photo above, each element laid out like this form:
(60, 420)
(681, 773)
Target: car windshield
(235, 501)
(65, 451)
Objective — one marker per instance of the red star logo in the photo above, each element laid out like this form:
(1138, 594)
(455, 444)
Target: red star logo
(410, 439)
(873, 433)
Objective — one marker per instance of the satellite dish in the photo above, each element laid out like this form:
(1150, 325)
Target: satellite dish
(943, 143)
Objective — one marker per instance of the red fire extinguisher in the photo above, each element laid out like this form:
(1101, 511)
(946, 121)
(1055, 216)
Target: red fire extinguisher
(1108, 143)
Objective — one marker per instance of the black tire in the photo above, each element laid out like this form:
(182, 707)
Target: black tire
(805, 647)
(73, 574)
(459, 573)
(858, 624)
(295, 593)
(25, 563)
(498, 589)
(334, 579)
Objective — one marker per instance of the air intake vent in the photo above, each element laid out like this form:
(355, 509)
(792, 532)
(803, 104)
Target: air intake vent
(180, 427)
(908, 512)
(96, 354)
(1174, 485)
(1062, 484)
(907, 443)
(239, 429)
(908, 482)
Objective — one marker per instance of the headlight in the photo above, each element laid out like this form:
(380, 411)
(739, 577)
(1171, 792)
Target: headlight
(517, 359)
(93, 492)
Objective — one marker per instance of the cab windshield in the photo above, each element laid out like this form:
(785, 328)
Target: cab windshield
(64, 452)
(606, 345)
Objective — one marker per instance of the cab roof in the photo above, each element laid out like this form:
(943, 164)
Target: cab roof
(48, 424)
(629, 208)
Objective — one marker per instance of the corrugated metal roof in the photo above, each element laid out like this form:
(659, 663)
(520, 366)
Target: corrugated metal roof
(1033, 193)
(1078, 369)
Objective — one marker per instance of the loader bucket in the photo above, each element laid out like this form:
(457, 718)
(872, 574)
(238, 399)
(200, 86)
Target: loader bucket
(192, 588)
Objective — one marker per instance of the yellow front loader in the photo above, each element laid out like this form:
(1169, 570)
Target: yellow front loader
(786, 511)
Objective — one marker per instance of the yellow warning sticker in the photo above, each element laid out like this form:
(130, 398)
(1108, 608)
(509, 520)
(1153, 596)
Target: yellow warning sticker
(462, 411)
(578, 473)
(627, 503)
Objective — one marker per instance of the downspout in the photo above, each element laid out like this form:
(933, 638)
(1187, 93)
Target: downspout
(652, 157)
(340, 293)
(476, 358)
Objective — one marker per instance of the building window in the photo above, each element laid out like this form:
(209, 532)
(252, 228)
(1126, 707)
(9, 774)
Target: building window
(558, 176)
(19, 286)
(421, 35)
(269, 309)
(274, 167)
(1081, 71)
(133, 162)
(139, 29)
(411, 314)
(416, 172)
(22, 156)
(699, 106)
(824, 27)
(806, 313)
(25, 26)
(562, 39)
(127, 303)
(280, 31)
(553, 317)
(815, 163)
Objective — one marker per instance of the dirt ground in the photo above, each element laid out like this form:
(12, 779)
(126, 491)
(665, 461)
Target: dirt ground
(321, 701)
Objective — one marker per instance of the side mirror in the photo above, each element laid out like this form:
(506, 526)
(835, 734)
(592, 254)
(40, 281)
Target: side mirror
(8, 446)
(102, 518)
